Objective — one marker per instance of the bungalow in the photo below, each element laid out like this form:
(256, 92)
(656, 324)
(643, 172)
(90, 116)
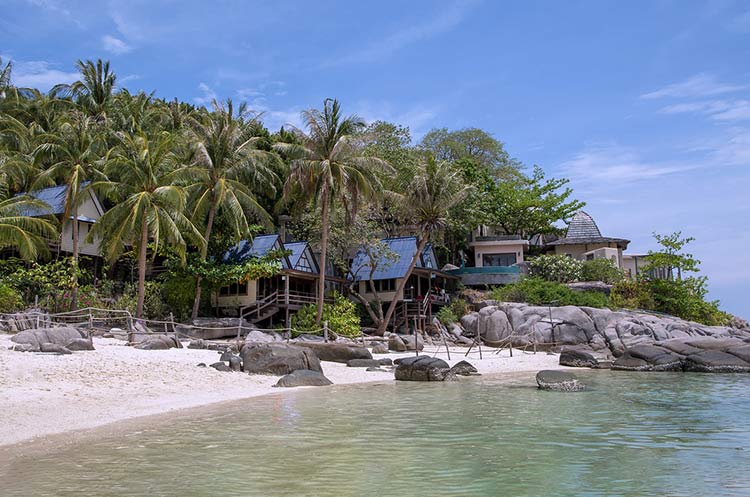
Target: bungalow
(584, 241)
(426, 288)
(264, 299)
(494, 258)
(89, 211)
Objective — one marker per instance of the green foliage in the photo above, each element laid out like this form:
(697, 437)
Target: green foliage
(537, 291)
(460, 307)
(178, 292)
(52, 282)
(601, 270)
(671, 258)
(10, 299)
(154, 305)
(631, 294)
(446, 316)
(686, 299)
(342, 316)
(560, 268)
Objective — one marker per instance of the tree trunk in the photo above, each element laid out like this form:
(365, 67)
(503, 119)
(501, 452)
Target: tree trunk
(142, 267)
(323, 250)
(74, 296)
(204, 253)
(391, 308)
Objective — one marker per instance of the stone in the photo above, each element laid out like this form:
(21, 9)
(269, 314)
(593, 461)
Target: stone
(305, 337)
(235, 363)
(80, 344)
(558, 381)
(363, 363)
(422, 368)
(412, 343)
(221, 366)
(577, 358)
(54, 348)
(658, 359)
(262, 337)
(213, 328)
(226, 356)
(715, 361)
(60, 335)
(386, 361)
(743, 352)
(463, 368)
(159, 342)
(375, 370)
(715, 343)
(337, 352)
(379, 348)
(627, 362)
(678, 346)
(277, 358)
(201, 365)
(396, 344)
(303, 378)
(197, 344)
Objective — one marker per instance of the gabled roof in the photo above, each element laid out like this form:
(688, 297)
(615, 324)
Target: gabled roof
(302, 252)
(257, 247)
(404, 248)
(54, 197)
(582, 230)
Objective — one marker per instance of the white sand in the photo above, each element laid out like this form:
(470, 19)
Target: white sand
(43, 394)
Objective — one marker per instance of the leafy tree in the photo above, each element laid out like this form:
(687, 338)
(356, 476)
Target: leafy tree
(671, 258)
(143, 180)
(328, 164)
(435, 189)
(5, 73)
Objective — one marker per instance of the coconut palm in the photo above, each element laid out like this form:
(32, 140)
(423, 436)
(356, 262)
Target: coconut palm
(29, 235)
(143, 179)
(73, 155)
(328, 164)
(95, 88)
(5, 77)
(227, 169)
(435, 189)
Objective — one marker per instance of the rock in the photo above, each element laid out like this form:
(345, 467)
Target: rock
(159, 342)
(201, 364)
(226, 355)
(715, 361)
(310, 338)
(469, 323)
(363, 363)
(396, 344)
(715, 343)
(385, 361)
(375, 370)
(379, 348)
(80, 344)
(235, 363)
(678, 346)
(456, 330)
(743, 352)
(303, 378)
(221, 366)
(627, 362)
(422, 368)
(577, 358)
(277, 358)
(24, 347)
(213, 328)
(337, 352)
(54, 348)
(261, 337)
(197, 344)
(61, 335)
(463, 368)
(410, 341)
(558, 381)
(655, 358)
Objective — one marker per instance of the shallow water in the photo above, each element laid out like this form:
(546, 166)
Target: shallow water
(630, 434)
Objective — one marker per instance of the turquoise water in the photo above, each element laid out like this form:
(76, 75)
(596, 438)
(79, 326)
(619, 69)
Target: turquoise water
(630, 434)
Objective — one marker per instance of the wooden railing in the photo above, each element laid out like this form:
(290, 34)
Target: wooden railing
(257, 307)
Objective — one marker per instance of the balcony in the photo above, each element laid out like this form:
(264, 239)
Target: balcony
(488, 275)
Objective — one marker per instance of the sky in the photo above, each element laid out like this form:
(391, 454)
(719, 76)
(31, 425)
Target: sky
(644, 105)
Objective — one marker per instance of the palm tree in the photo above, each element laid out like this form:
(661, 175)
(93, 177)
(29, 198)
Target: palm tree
(143, 177)
(29, 235)
(328, 164)
(74, 153)
(95, 88)
(435, 189)
(226, 171)
(5, 77)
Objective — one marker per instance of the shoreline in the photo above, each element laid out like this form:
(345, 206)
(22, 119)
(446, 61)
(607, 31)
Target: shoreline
(44, 398)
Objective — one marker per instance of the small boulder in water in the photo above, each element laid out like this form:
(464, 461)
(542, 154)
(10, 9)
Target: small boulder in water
(303, 378)
(463, 368)
(558, 381)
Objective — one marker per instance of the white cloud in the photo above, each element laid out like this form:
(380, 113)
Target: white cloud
(718, 110)
(443, 22)
(115, 45)
(40, 74)
(700, 85)
(57, 9)
(209, 95)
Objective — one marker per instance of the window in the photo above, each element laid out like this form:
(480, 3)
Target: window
(235, 289)
(382, 285)
(507, 259)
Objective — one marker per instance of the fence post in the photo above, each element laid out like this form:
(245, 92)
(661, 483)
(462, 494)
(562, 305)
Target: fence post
(174, 328)
(239, 328)
(325, 331)
(91, 324)
(416, 337)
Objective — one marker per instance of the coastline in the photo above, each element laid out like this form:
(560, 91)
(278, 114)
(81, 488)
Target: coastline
(46, 396)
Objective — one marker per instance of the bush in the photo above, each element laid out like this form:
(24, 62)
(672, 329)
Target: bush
(446, 316)
(537, 291)
(631, 294)
(560, 268)
(10, 299)
(178, 292)
(600, 270)
(154, 306)
(685, 299)
(342, 318)
(460, 307)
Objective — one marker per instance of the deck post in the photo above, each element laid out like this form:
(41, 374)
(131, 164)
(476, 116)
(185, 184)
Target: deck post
(416, 338)
(325, 331)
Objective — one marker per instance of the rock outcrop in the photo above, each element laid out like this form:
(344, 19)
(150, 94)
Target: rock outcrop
(336, 352)
(558, 381)
(422, 368)
(34, 338)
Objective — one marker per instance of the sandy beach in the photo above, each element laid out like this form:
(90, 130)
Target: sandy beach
(42, 394)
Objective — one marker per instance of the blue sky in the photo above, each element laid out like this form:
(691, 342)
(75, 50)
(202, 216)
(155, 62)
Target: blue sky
(645, 106)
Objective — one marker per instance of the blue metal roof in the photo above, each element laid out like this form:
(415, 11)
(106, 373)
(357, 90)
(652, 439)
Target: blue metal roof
(53, 196)
(404, 249)
(298, 250)
(257, 247)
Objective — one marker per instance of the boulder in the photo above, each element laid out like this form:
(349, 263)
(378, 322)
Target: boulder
(197, 344)
(363, 363)
(277, 358)
(235, 363)
(303, 378)
(715, 361)
(261, 337)
(80, 344)
(422, 368)
(657, 358)
(715, 343)
(578, 358)
(558, 381)
(159, 342)
(678, 346)
(375, 370)
(201, 365)
(226, 355)
(54, 348)
(337, 352)
(413, 343)
(213, 328)
(463, 368)
(743, 352)
(396, 344)
(221, 366)
(60, 335)
(379, 348)
(627, 362)
(385, 361)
